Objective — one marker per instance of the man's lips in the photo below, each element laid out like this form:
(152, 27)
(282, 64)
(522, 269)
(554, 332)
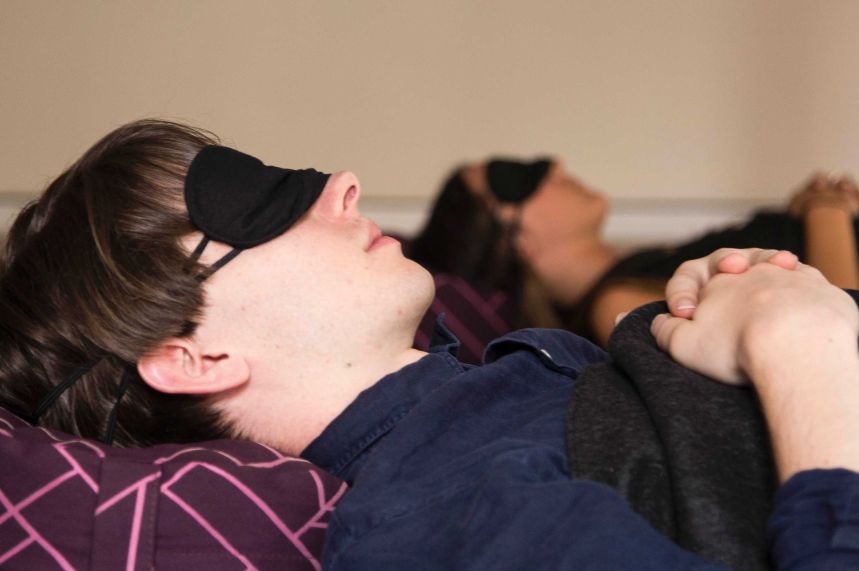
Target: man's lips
(375, 234)
(377, 239)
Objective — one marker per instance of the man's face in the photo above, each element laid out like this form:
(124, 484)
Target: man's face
(328, 283)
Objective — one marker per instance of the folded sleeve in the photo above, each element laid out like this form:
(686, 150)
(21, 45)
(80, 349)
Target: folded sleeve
(815, 523)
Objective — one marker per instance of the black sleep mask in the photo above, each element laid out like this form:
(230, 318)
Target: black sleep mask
(515, 181)
(234, 198)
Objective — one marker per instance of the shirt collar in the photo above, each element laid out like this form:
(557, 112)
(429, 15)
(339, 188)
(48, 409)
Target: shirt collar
(443, 339)
(380, 407)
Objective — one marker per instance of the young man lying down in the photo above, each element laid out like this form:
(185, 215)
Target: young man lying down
(166, 289)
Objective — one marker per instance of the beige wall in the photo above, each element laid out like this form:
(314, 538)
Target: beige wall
(645, 99)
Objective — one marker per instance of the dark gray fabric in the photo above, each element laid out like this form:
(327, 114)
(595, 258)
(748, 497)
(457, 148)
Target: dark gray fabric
(689, 454)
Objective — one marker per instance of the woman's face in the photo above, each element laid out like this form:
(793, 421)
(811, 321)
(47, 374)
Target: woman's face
(562, 209)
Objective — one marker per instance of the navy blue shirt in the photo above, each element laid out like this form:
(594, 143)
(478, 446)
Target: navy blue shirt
(453, 466)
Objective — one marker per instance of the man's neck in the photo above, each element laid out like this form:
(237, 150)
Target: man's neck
(294, 401)
(353, 376)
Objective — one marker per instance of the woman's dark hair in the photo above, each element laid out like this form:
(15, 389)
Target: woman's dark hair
(464, 236)
(95, 271)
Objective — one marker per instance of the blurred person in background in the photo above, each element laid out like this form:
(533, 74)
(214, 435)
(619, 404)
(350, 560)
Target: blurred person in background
(519, 244)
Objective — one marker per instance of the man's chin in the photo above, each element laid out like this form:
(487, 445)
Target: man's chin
(421, 288)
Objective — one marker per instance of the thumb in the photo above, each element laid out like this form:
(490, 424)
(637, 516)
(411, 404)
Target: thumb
(665, 329)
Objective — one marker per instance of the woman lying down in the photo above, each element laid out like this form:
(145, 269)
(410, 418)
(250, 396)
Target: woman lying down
(167, 289)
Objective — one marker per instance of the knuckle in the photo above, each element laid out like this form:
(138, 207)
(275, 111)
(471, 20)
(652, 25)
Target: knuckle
(688, 267)
(762, 268)
(764, 255)
(673, 344)
(814, 272)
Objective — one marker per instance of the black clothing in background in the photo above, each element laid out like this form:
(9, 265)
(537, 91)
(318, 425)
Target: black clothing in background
(766, 229)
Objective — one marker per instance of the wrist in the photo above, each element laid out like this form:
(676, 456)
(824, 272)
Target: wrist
(797, 347)
(819, 203)
(811, 408)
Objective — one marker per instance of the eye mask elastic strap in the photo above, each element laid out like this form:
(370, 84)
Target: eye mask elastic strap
(220, 263)
(120, 392)
(60, 389)
(198, 251)
(73, 377)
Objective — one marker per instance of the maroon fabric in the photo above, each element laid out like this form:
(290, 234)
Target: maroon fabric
(71, 503)
(476, 317)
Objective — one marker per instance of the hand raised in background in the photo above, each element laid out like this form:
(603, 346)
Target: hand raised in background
(824, 190)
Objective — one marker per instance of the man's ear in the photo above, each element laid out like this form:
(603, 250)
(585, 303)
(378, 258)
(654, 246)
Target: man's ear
(180, 366)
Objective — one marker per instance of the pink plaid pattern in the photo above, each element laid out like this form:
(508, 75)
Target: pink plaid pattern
(69, 503)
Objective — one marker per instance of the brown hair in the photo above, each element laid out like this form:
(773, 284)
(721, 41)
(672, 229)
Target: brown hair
(94, 271)
(463, 236)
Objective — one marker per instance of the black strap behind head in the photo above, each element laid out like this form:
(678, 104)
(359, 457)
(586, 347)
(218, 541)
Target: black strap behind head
(59, 389)
(127, 374)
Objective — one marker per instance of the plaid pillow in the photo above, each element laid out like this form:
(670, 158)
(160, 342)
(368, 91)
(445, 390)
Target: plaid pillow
(72, 503)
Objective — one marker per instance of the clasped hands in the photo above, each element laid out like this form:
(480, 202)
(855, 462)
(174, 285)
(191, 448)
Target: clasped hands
(737, 312)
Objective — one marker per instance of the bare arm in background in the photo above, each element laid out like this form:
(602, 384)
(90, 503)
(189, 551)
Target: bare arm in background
(827, 208)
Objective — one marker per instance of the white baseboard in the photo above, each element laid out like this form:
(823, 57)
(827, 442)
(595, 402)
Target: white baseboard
(632, 222)
(637, 222)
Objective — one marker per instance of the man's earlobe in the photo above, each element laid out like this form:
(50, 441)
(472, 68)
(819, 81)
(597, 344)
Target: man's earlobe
(180, 366)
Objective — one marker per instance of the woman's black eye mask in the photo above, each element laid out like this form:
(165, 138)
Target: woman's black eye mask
(514, 181)
(231, 198)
